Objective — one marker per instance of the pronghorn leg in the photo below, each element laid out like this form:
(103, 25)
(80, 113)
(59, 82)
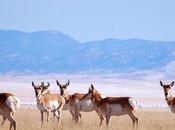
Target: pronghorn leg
(77, 113)
(3, 121)
(134, 119)
(11, 120)
(54, 114)
(74, 117)
(42, 117)
(48, 115)
(73, 114)
(57, 115)
(100, 116)
(107, 116)
(13, 113)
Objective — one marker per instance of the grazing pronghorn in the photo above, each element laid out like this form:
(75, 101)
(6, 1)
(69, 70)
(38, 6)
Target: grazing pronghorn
(8, 106)
(113, 106)
(77, 103)
(47, 102)
(168, 95)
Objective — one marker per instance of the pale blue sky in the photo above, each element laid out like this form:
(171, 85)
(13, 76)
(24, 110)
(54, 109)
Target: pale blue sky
(87, 20)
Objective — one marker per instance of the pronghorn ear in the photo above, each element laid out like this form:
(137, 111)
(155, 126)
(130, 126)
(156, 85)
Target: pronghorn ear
(161, 83)
(92, 86)
(58, 83)
(171, 85)
(33, 84)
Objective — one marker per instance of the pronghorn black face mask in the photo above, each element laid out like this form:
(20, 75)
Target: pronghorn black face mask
(37, 88)
(63, 87)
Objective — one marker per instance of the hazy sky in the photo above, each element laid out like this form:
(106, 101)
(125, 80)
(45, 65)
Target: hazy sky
(87, 20)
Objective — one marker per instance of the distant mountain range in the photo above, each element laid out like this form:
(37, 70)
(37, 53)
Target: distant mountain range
(51, 51)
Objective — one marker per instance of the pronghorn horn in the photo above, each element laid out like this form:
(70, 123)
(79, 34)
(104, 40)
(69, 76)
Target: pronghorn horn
(58, 83)
(172, 84)
(161, 83)
(68, 82)
(42, 83)
(92, 86)
(48, 84)
(33, 84)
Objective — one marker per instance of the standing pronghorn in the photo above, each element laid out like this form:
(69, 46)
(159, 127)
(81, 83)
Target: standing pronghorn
(47, 102)
(168, 95)
(113, 106)
(8, 106)
(45, 90)
(77, 103)
(64, 93)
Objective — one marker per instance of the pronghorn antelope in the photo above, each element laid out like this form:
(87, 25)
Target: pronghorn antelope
(113, 106)
(8, 106)
(46, 90)
(168, 95)
(77, 103)
(47, 102)
(64, 93)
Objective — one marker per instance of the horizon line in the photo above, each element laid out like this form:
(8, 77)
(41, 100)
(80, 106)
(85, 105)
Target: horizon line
(110, 38)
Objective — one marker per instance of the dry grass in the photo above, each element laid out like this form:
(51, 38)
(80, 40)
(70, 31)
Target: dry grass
(149, 119)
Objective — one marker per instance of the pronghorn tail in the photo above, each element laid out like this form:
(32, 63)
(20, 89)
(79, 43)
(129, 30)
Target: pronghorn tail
(13, 103)
(133, 103)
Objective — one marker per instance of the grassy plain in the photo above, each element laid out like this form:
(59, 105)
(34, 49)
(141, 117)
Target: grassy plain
(149, 119)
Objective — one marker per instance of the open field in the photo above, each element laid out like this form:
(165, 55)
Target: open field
(149, 119)
(149, 93)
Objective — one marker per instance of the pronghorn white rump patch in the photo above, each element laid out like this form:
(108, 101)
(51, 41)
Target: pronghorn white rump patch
(133, 103)
(13, 103)
(53, 105)
(103, 96)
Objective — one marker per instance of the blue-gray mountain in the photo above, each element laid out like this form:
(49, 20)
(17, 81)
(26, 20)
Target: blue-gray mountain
(50, 51)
